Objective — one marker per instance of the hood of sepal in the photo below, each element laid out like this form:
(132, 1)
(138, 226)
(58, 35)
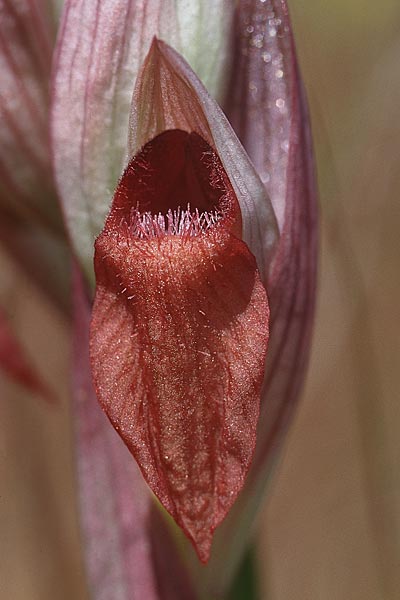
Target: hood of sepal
(168, 94)
(99, 53)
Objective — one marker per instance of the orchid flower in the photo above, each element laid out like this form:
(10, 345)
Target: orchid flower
(194, 228)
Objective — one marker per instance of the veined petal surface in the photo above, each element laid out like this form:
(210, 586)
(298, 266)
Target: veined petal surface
(206, 43)
(278, 111)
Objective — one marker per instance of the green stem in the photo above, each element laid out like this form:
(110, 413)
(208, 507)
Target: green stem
(245, 584)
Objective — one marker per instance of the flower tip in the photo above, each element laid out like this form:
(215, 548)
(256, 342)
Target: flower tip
(154, 43)
(200, 535)
(202, 545)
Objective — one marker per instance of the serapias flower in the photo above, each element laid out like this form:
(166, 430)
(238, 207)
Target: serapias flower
(195, 241)
(206, 256)
(180, 329)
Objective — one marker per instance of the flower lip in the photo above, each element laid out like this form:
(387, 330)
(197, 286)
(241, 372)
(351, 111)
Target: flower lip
(179, 330)
(176, 185)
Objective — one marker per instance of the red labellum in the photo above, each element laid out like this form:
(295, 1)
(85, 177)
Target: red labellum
(180, 329)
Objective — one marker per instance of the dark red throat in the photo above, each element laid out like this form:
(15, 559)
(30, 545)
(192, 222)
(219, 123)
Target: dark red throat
(176, 185)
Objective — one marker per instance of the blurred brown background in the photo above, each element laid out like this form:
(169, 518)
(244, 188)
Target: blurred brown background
(331, 527)
(332, 523)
